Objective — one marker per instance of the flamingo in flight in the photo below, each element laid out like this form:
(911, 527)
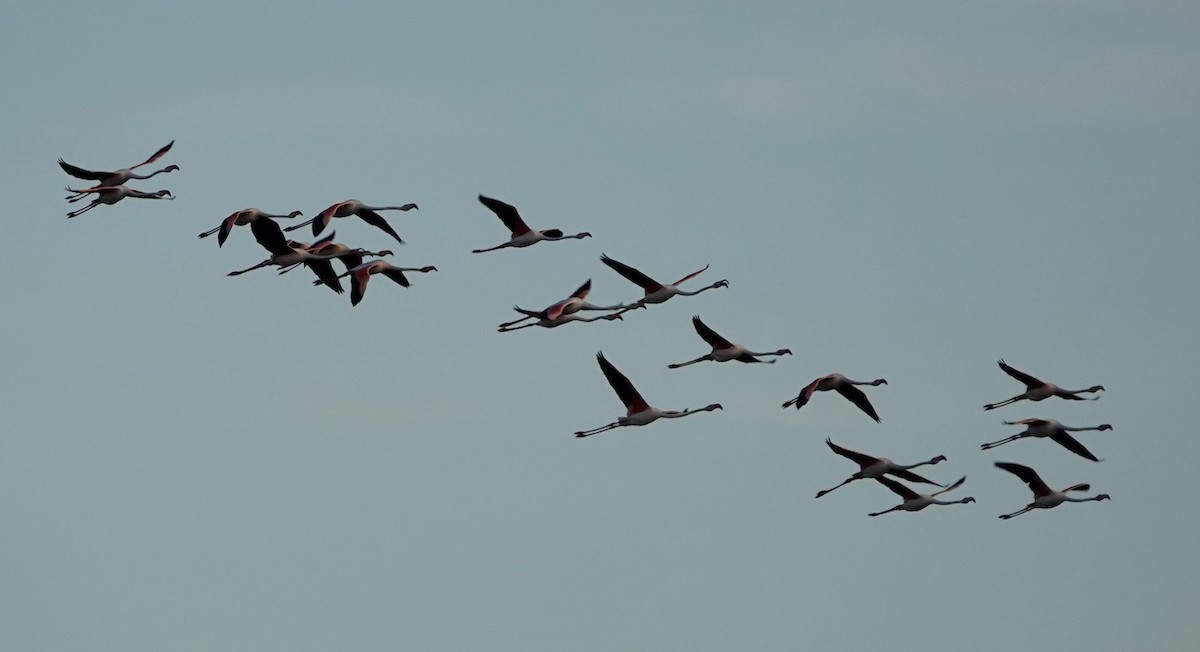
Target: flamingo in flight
(876, 467)
(354, 207)
(522, 235)
(242, 218)
(722, 349)
(360, 275)
(638, 411)
(553, 315)
(656, 292)
(1052, 429)
(117, 177)
(1043, 496)
(843, 386)
(915, 502)
(351, 258)
(111, 195)
(1037, 390)
(285, 253)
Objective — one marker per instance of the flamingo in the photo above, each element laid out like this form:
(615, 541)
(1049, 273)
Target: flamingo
(354, 207)
(285, 253)
(656, 292)
(360, 275)
(843, 386)
(1037, 390)
(351, 258)
(915, 502)
(548, 322)
(1052, 429)
(1043, 496)
(638, 411)
(522, 235)
(572, 304)
(118, 177)
(876, 467)
(722, 349)
(242, 218)
(112, 195)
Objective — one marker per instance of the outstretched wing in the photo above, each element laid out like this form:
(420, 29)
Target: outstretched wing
(583, 290)
(1028, 475)
(952, 487)
(1029, 381)
(709, 335)
(397, 276)
(1070, 443)
(861, 459)
(507, 214)
(857, 397)
(648, 284)
(899, 489)
(913, 477)
(324, 271)
(268, 234)
(621, 385)
(376, 220)
(157, 155)
(80, 173)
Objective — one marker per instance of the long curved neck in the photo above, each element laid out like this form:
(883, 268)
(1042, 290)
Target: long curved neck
(913, 466)
(1073, 499)
(147, 176)
(1070, 429)
(584, 305)
(691, 294)
(877, 381)
(960, 501)
(406, 207)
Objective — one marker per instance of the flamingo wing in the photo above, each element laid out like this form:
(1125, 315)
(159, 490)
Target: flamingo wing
(857, 397)
(1062, 438)
(912, 477)
(1029, 381)
(621, 385)
(648, 284)
(397, 276)
(157, 155)
(507, 214)
(899, 489)
(324, 271)
(690, 276)
(1027, 475)
(376, 220)
(268, 234)
(861, 459)
(583, 290)
(80, 173)
(952, 487)
(709, 335)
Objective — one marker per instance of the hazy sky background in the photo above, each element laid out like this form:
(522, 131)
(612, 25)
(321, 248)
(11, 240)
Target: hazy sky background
(898, 190)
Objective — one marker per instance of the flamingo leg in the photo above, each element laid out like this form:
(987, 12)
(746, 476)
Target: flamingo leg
(505, 329)
(594, 431)
(500, 246)
(1002, 441)
(250, 269)
(887, 510)
(301, 225)
(677, 365)
(845, 482)
(83, 210)
(993, 406)
(1016, 513)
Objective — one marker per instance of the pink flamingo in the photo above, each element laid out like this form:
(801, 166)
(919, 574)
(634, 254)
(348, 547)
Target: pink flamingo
(522, 235)
(116, 177)
(637, 411)
(111, 195)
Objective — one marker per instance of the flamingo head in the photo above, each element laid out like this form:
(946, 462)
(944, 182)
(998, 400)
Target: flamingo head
(165, 194)
(1104, 426)
(939, 458)
(295, 214)
(714, 406)
(171, 168)
(427, 268)
(1103, 497)
(879, 381)
(1096, 388)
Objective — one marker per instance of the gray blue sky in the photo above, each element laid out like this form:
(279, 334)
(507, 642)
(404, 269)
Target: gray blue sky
(898, 190)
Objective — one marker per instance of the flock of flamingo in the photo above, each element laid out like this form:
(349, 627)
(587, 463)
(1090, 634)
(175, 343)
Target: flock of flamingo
(287, 254)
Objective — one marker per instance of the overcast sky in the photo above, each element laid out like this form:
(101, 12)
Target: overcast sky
(909, 191)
